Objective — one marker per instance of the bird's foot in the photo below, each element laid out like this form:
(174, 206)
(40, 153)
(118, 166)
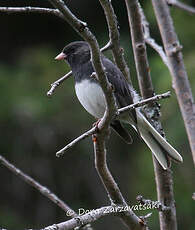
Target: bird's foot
(96, 125)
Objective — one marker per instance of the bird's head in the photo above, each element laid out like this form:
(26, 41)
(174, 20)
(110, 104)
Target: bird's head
(75, 53)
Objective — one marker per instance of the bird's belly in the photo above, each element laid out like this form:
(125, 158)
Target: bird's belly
(91, 97)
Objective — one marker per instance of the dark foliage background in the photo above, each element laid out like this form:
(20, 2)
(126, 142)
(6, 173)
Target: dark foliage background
(33, 126)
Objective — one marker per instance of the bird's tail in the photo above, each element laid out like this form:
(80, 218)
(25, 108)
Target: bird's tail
(158, 145)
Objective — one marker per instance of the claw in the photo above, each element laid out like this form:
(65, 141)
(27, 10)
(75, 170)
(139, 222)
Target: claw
(96, 125)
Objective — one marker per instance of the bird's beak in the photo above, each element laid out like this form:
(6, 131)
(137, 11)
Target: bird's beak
(60, 56)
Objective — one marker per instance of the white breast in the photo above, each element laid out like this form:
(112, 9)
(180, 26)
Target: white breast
(91, 97)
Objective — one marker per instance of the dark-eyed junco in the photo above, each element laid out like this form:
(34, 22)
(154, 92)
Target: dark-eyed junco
(91, 96)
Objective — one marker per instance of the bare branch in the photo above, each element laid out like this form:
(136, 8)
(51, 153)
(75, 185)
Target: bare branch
(168, 219)
(57, 83)
(163, 177)
(139, 49)
(181, 6)
(114, 38)
(42, 189)
(78, 139)
(144, 102)
(179, 75)
(157, 204)
(144, 218)
(82, 220)
(106, 47)
(30, 9)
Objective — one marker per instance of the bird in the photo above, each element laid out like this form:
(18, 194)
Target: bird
(90, 94)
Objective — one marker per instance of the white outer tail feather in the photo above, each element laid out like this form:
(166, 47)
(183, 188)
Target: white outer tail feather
(156, 142)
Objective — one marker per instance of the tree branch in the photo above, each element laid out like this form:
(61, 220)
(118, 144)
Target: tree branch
(181, 6)
(57, 83)
(157, 204)
(84, 219)
(144, 102)
(30, 9)
(139, 49)
(164, 181)
(179, 75)
(42, 189)
(78, 139)
(115, 38)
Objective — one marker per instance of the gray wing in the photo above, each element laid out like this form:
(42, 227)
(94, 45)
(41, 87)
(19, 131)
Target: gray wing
(121, 86)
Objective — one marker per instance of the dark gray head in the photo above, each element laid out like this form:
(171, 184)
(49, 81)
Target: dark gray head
(75, 53)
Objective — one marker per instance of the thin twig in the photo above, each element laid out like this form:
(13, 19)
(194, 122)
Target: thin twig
(181, 6)
(42, 189)
(57, 83)
(144, 102)
(82, 220)
(114, 38)
(30, 9)
(145, 218)
(78, 139)
(157, 204)
(106, 47)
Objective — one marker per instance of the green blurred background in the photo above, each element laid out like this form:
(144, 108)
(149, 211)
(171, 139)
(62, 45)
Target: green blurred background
(33, 126)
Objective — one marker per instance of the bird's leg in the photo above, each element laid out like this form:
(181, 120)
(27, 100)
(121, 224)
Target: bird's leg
(95, 124)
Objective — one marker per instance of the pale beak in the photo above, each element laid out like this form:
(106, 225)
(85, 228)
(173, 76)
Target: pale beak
(60, 56)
